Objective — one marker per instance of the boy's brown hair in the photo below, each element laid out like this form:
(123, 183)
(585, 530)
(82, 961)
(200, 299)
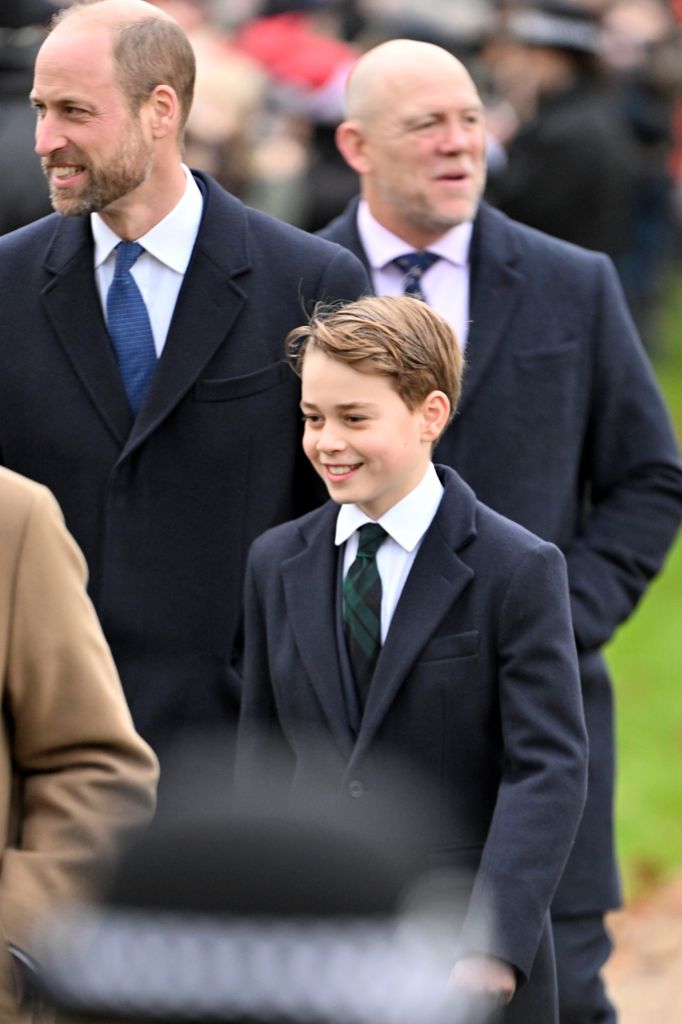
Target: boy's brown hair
(398, 337)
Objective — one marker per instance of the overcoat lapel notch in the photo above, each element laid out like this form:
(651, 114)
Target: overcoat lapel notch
(208, 304)
(210, 300)
(436, 580)
(310, 592)
(495, 290)
(73, 306)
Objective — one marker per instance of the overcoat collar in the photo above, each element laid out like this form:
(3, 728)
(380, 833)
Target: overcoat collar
(494, 291)
(209, 301)
(437, 578)
(310, 579)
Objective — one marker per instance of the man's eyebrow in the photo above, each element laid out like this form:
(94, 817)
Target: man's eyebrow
(63, 101)
(475, 107)
(419, 115)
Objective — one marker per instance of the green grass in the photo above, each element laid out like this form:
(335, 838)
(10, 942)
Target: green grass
(646, 659)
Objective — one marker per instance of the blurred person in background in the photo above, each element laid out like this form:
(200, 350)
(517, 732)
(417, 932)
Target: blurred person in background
(296, 172)
(569, 166)
(24, 195)
(561, 426)
(229, 93)
(642, 45)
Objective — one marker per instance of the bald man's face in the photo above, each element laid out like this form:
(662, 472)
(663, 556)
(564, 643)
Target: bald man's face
(424, 152)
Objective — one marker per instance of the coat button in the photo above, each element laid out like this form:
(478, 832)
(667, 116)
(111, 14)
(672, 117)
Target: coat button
(356, 788)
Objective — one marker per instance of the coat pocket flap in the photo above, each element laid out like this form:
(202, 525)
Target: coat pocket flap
(456, 645)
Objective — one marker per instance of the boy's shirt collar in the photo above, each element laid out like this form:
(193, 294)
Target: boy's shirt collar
(406, 522)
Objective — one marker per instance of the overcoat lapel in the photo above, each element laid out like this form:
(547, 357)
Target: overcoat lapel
(434, 584)
(208, 304)
(75, 311)
(495, 290)
(310, 592)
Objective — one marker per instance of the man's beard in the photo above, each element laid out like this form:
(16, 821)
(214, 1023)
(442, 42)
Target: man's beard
(104, 185)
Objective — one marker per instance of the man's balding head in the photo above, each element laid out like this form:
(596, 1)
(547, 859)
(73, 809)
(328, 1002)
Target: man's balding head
(148, 46)
(376, 74)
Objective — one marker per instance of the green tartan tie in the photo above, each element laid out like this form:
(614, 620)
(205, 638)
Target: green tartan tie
(362, 607)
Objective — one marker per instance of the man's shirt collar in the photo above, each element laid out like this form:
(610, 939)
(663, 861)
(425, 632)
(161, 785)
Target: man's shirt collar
(171, 241)
(382, 246)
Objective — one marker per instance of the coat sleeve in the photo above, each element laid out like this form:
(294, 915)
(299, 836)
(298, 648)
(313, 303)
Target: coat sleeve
(632, 465)
(82, 775)
(544, 764)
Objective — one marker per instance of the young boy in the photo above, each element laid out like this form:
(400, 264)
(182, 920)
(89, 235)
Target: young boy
(446, 644)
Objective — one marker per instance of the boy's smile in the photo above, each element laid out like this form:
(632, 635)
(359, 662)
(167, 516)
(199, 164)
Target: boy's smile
(339, 472)
(366, 444)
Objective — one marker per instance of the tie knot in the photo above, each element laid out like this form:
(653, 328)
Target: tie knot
(415, 263)
(126, 254)
(370, 538)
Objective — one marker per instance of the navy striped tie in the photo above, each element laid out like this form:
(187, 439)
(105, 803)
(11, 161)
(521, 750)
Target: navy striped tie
(413, 265)
(129, 327)
(362, 607)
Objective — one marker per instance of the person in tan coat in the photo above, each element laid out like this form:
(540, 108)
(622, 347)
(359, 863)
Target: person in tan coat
(75, 777)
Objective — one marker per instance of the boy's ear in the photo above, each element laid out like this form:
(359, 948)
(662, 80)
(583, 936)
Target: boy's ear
(435, 410)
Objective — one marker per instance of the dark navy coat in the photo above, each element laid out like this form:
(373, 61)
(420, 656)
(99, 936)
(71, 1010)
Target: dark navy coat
(476, 691)
(165, 507)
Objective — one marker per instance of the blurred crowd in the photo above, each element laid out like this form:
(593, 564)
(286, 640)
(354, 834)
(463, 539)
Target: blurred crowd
(585, 127)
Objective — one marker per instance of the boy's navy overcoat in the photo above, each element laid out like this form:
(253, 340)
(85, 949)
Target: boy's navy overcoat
(476, 690)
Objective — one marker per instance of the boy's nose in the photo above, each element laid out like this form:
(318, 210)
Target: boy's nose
(330, 441)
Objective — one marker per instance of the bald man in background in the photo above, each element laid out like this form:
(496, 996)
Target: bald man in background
(561, 426)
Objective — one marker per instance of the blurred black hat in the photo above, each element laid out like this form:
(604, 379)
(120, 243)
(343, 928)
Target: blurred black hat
(268, 910)
(258, 919)
(557, 24)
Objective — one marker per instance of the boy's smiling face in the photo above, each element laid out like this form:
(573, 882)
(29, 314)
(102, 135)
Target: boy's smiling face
(362, 439)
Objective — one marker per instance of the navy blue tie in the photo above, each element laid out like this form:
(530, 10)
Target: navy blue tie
(129, 327)
(413, 265)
